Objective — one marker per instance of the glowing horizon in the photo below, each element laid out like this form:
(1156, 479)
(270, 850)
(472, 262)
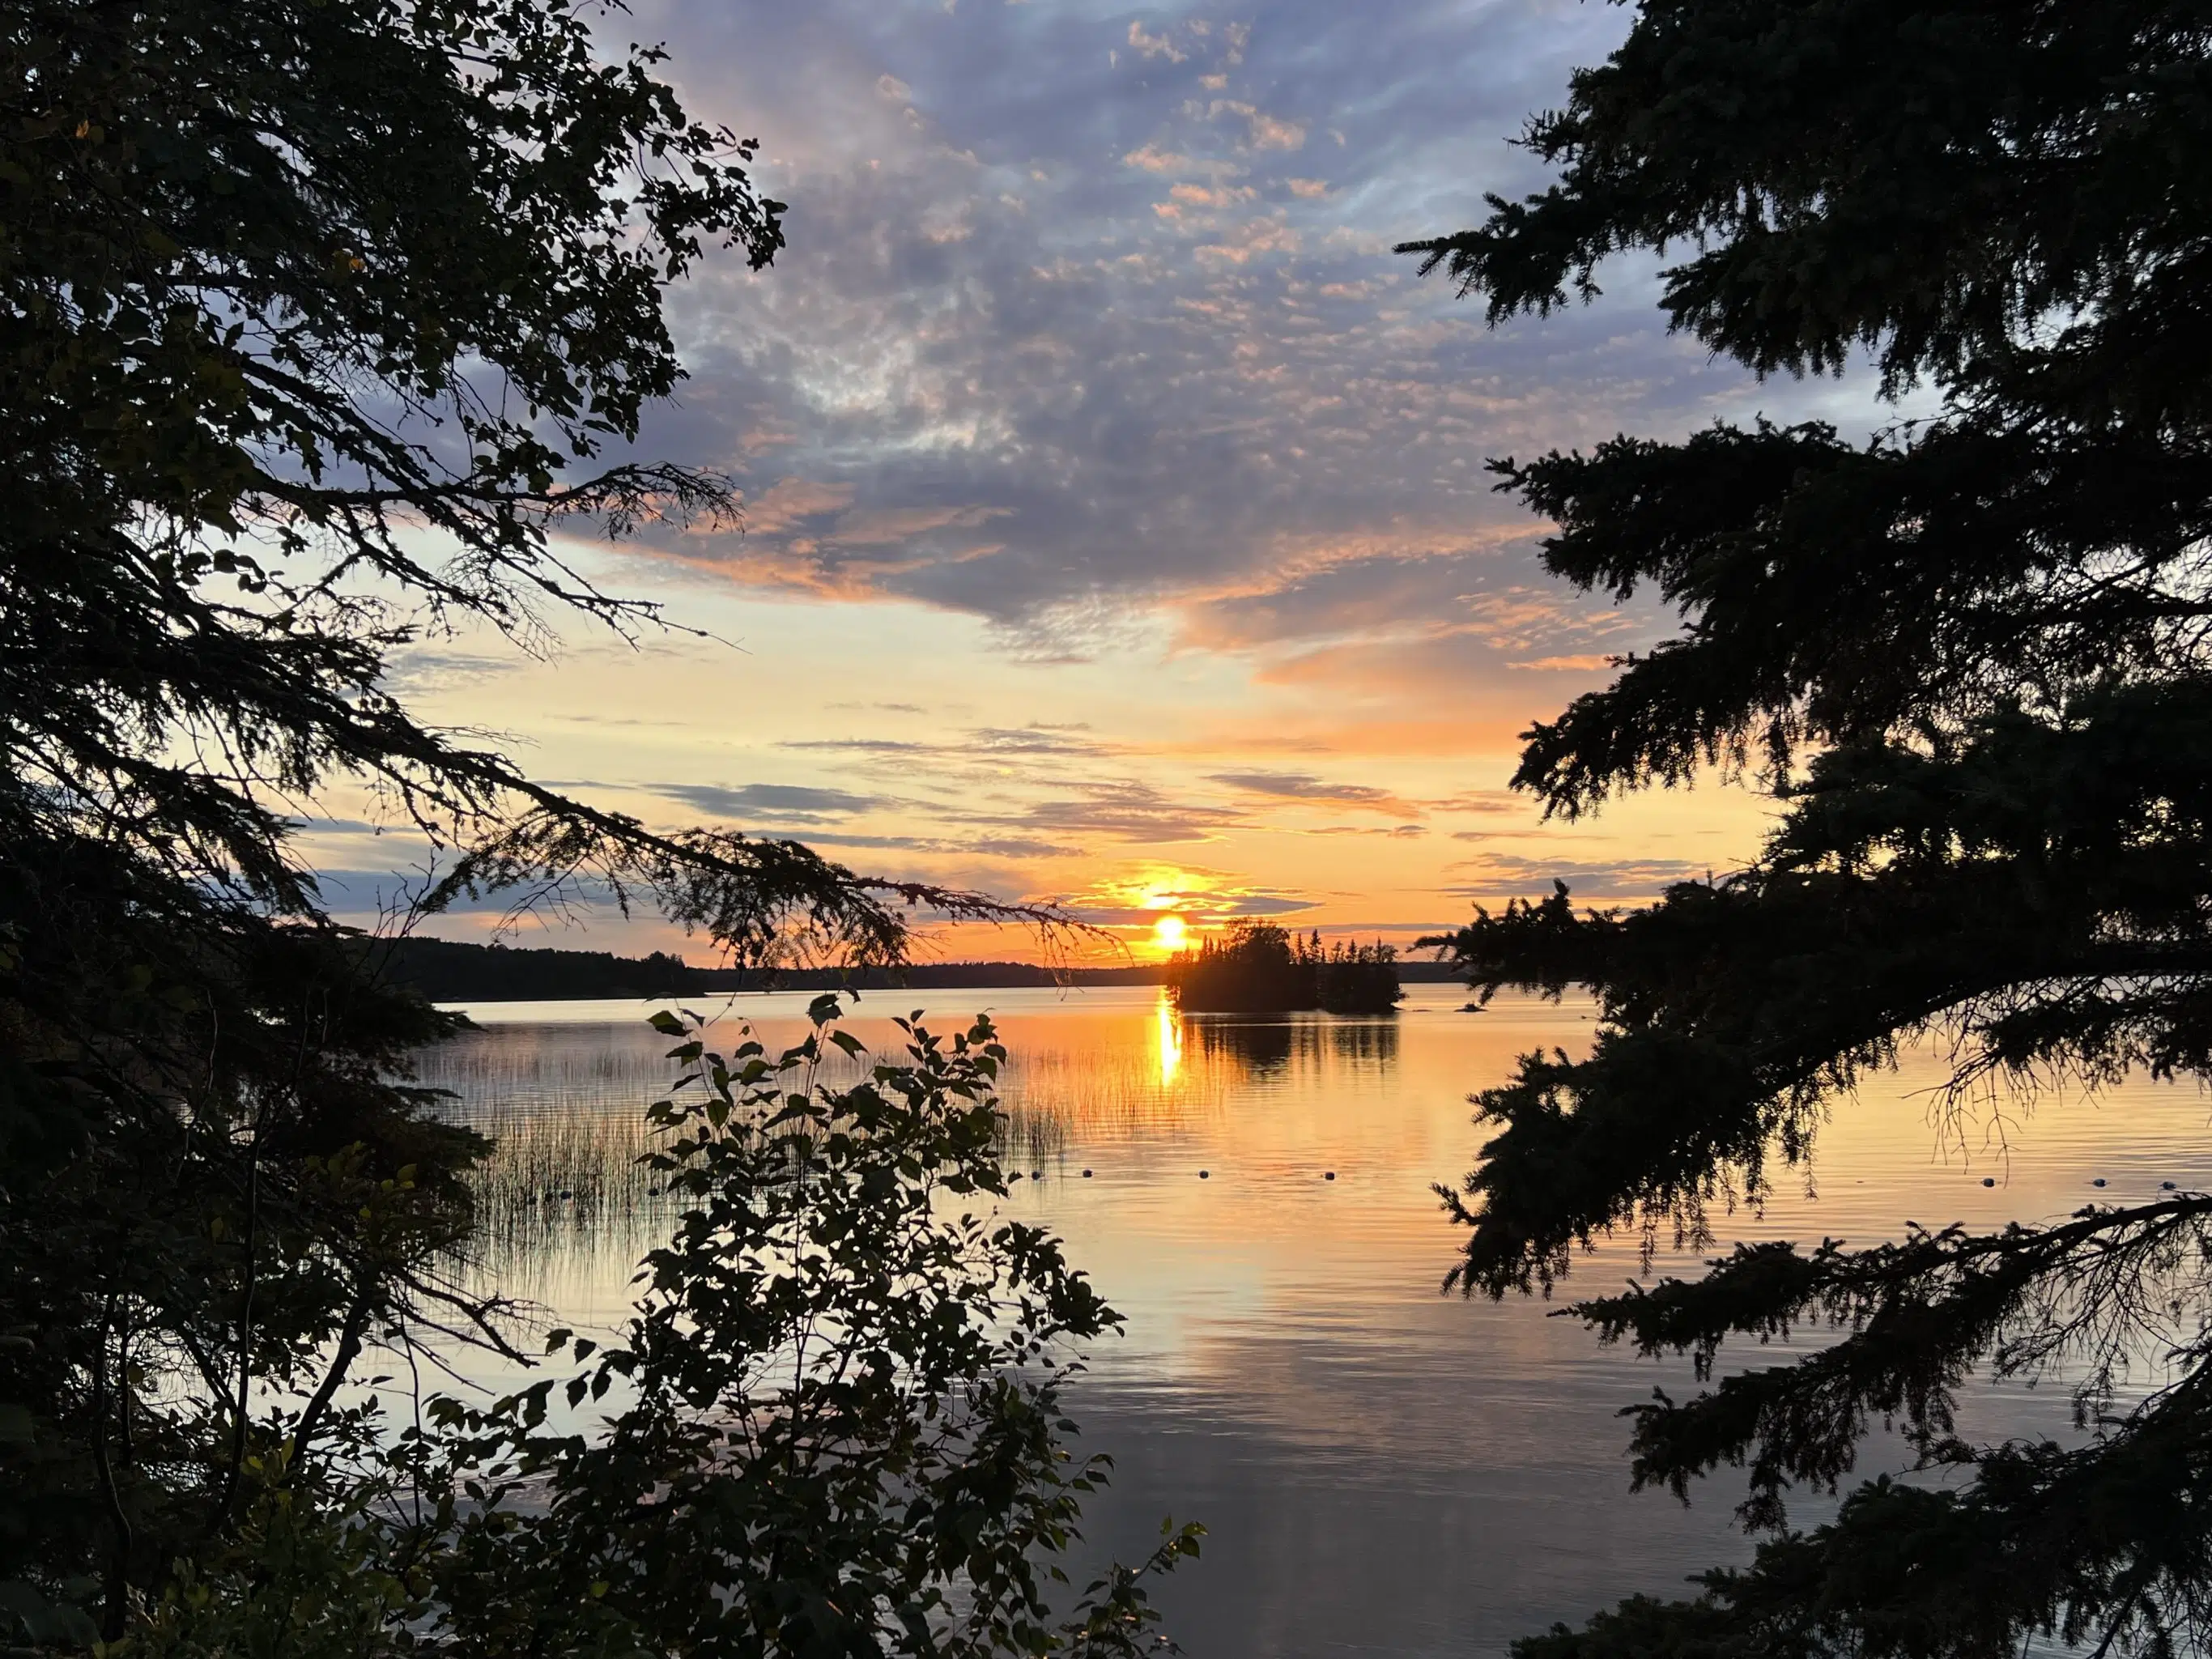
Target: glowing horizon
(1116, 533)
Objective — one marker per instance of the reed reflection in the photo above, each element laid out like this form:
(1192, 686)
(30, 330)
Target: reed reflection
(563, 1194)
(1289, 1372)
(562, 1199)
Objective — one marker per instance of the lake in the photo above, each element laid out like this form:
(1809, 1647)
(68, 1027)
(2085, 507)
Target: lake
(1382, 1469)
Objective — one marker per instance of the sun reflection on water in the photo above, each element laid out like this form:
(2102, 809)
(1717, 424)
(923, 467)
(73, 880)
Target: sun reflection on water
(1168, 1022)
(1289, 1373)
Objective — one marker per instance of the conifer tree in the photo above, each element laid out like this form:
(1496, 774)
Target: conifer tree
(1969, 656)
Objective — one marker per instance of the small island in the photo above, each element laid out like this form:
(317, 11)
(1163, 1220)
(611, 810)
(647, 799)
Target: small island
(1261, 969)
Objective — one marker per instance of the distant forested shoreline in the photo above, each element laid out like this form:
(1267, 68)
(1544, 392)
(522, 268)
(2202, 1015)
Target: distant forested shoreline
(449, 970)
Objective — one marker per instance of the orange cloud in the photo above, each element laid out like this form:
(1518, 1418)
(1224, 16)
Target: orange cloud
(1586, 662)
(787, 502)
(1152, 159)
(1265, 131)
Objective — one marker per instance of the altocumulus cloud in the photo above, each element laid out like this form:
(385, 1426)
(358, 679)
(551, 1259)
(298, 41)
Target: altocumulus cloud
(1089, 313)
(1088, 329)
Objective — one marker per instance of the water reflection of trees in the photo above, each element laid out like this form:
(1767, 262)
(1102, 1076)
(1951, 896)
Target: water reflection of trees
(1265, 1050)
(564, 1191)
(565, 1108)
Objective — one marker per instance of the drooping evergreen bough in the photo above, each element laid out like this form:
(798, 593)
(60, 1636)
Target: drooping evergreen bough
(1969, 656)
(315, 316)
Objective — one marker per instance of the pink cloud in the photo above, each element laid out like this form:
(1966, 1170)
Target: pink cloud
(1152, 159)
(787, 501)
(1154, 46)
(1265, 131)
(1586, 662)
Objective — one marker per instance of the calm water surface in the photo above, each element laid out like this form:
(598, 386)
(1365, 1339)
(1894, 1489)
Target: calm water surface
(1382, 1469)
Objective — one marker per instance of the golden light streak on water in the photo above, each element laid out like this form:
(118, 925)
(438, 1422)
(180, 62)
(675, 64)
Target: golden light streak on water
(1167, 1025)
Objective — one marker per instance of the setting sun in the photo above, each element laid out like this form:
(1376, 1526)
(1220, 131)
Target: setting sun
(1168, 934)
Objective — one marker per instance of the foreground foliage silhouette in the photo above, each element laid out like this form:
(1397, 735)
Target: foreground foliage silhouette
(316, 317)
(1968, 657)
(831, 1426)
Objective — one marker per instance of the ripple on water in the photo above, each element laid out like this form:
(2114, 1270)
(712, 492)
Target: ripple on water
(1382, 1468)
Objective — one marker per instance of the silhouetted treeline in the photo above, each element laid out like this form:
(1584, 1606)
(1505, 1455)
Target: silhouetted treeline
(1261, 969)
(446, 970)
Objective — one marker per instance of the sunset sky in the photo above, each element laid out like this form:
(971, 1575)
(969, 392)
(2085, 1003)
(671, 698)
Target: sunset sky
(1116, 530)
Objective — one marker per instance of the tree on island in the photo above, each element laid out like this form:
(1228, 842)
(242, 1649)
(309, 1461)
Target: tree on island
(317, 318)
(1968, 657)
(1261, 968)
